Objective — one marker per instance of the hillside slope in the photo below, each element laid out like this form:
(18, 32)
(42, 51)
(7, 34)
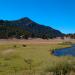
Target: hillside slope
(27, 28)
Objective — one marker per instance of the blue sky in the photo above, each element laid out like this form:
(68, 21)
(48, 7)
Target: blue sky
(59, 14)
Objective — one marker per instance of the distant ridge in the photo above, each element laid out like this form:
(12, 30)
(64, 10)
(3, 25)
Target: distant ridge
(26, 28)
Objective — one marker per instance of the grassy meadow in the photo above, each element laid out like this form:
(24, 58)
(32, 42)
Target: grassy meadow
(34, 59)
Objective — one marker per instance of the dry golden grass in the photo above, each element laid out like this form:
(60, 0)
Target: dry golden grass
(15, 59)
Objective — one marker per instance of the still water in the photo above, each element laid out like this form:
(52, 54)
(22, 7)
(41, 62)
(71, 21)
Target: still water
(65, 52)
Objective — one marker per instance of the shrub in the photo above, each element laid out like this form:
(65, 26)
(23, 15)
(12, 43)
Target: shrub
(14, 46)
(23, 45)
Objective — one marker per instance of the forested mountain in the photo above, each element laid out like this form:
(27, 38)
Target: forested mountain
(25, 28)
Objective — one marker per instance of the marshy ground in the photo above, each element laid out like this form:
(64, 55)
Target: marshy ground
(33, 57)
